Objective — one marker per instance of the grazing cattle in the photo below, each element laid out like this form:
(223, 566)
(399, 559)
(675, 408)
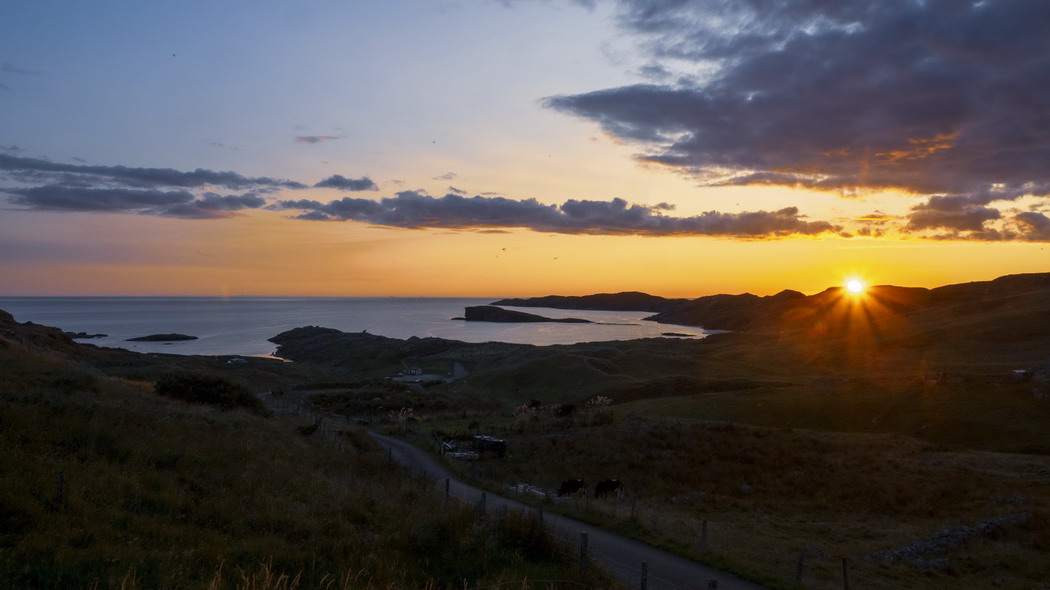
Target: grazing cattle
(606, 486)
(571, 486)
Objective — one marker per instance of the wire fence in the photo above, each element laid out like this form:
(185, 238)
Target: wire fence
(808, 568)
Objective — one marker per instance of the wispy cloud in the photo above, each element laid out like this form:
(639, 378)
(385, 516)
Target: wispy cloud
(142, 177)
(312, 139)
(10, 68)
(51, 186)
(178, 203)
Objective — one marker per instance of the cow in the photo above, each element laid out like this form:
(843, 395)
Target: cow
(571, 486)
(607, 485)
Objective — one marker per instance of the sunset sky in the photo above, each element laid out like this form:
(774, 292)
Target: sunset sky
(520, 147)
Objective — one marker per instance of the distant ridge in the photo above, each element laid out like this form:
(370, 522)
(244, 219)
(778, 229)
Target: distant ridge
(792, 308)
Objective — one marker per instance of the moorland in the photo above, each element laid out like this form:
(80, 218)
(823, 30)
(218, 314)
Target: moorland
(899, 433)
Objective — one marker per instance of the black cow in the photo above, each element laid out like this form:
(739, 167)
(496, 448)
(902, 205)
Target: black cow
(571, 486)
(606, 486)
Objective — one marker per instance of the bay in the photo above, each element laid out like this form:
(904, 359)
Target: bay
(241, 325)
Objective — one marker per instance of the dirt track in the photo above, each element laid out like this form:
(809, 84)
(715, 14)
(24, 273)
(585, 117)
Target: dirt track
(618, 555)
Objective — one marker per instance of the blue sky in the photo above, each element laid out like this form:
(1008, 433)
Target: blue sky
(154, 147)
(229, 85)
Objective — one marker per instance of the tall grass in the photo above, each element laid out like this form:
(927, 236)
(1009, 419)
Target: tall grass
(104, 484)
(770, 495)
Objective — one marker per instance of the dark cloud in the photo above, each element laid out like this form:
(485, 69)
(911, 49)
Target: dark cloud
(12, 69)
(935, 97)
(447, 176)
(312, 139)
(121, 200)
(957, 213)
(457, 191)
(1034, 226)
(655, 72)
(145, 177)
(411, 209)
(348, 184)
(230, 202)
(63, 198)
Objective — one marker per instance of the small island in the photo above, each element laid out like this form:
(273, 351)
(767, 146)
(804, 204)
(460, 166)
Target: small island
(84, 335)
(161, 338)
(491, 313)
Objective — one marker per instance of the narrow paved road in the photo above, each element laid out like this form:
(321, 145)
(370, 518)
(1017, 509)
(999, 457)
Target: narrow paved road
(618, 555)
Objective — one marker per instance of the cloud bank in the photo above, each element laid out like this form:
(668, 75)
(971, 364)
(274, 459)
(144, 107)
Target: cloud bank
(43, 185)
(941, 98)
(34, 169)
(413, 210)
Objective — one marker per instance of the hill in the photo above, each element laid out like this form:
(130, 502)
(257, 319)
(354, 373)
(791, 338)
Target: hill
(104, 483)
(747, 311)
(893, 429)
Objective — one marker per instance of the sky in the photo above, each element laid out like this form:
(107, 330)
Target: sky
(501, 148)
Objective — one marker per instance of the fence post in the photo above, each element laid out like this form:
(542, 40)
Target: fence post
(583, 549)
(60, 488)
(845, 575)
(645, 576)
(703, 535)
(539, 515)
(481, 504)
(632, 510)
(798, 570)
(446, 490)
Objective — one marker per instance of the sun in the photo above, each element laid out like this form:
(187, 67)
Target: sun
(855, 286)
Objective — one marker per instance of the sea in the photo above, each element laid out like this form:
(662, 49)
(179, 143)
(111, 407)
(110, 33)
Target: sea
(241, 325)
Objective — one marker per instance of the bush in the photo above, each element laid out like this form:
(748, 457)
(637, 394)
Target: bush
(210, 390)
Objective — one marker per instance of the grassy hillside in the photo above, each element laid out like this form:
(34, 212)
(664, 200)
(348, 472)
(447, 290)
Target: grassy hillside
(904, 514)
(105, 484)
(888, 429)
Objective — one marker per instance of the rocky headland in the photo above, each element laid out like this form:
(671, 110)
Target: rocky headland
(491, 313)
(162, 338)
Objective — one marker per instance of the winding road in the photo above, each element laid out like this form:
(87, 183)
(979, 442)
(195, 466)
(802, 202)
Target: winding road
(620, 556)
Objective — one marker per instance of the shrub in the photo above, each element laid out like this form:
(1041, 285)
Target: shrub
(210, 390)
